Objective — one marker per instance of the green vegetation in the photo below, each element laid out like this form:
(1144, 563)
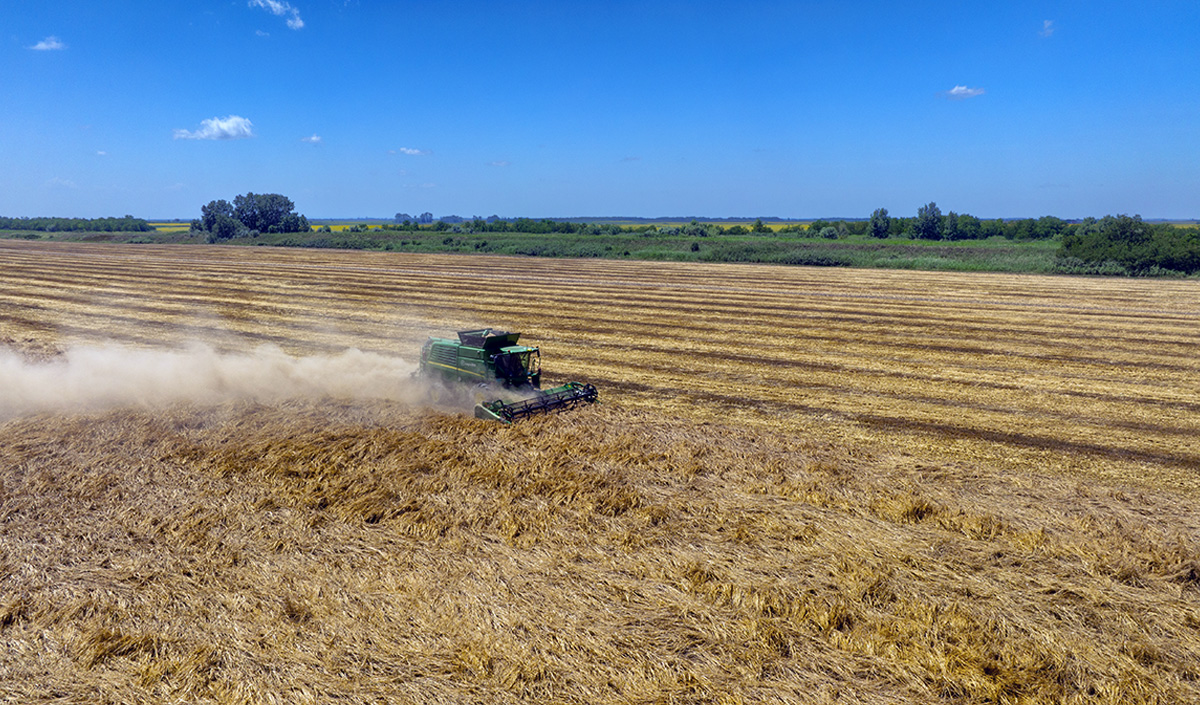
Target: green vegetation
(1114, 245)
(248, 216)
(695, 242)
(53, 225)
(1125, 245)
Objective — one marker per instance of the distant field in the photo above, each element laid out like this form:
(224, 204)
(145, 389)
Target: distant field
(170, 227)
(801, 485)
(336, 226)
(342, 227)
(994, 254)
(773, 225)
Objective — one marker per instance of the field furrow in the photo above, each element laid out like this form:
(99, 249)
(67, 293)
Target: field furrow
(800, 485)
(1108, 366)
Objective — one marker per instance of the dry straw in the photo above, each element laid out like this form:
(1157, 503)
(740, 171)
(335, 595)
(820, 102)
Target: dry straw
(801, 486)
(306, 553)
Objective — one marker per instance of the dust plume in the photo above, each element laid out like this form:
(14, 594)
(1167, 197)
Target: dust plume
(105, 376)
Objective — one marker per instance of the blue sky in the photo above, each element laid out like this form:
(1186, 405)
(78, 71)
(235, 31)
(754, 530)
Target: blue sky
(651, 108)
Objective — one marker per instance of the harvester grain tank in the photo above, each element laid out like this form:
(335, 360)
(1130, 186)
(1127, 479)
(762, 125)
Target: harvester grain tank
(493, 360)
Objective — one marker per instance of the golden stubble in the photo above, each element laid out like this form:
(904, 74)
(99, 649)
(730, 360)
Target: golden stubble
(801, 485)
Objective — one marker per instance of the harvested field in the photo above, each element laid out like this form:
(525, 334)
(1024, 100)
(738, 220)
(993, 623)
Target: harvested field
(802, 485)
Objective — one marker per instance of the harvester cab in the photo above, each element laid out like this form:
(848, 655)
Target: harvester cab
(515, 365)
(493, 359)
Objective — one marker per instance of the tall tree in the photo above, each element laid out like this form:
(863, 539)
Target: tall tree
(245, 209)
(1049, 227)
(250, 213)
(881, 223)
(929, 222)
(262, 211)
(273, 209)
(224, 227)
(210, 213)
(950, 226)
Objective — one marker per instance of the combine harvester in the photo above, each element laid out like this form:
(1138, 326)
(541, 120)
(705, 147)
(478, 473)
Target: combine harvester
(493, 360)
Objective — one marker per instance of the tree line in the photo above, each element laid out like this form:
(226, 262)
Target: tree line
(1123, 244)
(248, 216)
(494, 224)
(128, 224)
(1118, 244)
(936, 227)
(930, 224)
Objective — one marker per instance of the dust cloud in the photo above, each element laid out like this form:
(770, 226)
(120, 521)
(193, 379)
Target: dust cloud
(105, 376)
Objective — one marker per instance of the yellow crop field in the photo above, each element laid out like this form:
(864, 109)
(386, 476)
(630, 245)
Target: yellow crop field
(170, 227)
(801, 485)
(772, 225)
(339, 227)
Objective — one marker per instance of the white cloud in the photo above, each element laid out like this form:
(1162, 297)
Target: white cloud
(412, 152)
(49, 44)
(281, 9)
(233, 127)
(315, 139)
(101, 153)
(58, 182)
(500, 163)
(962, 92)
(1047, 28)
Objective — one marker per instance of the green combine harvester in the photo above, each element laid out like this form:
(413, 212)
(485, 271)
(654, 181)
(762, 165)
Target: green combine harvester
(492, 359)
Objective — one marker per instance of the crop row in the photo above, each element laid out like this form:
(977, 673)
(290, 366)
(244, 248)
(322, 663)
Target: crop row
(1090, 374)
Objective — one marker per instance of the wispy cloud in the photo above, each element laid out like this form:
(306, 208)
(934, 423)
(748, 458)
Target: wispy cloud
(1047, 28)
(411, 151)
(58, 182)
(281, 9)
(630, 159)
(101, 153)
(502, 162)
(315, 139)
(49, 44)
(233, 127)
(962, 93)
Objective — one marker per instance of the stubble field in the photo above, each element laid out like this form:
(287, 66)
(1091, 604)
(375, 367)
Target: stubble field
(801, 485)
